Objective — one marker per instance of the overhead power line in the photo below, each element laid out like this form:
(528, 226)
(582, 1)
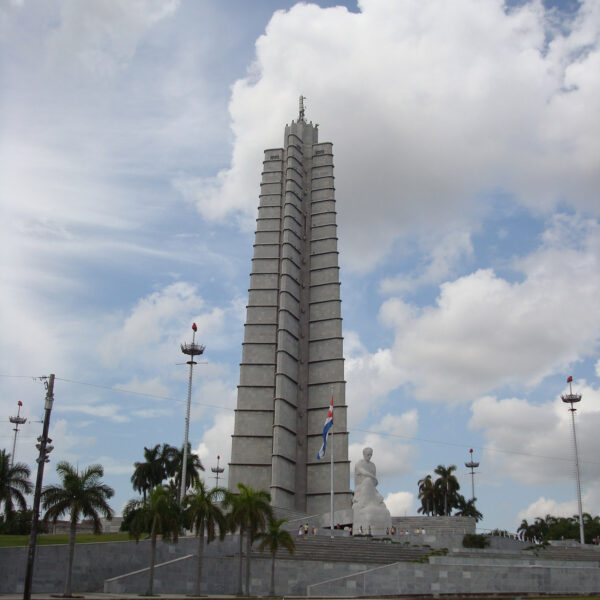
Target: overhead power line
(353, 430)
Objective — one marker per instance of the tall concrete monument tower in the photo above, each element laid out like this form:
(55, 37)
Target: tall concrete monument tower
(292, 358)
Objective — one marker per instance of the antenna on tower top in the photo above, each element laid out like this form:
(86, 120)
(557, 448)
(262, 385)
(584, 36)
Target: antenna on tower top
(301, 109)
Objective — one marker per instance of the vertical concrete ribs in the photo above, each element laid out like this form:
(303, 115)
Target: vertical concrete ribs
(292, 356)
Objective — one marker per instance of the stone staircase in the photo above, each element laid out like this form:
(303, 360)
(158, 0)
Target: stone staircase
(548, 553)
(567, 553)
(348, 549)
(435, 525)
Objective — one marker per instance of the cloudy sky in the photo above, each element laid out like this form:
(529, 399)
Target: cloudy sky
(467, 159)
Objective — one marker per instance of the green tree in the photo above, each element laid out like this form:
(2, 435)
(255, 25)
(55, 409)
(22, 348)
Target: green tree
(159, 515)
(249, 511)
(274, 538)
(427, 495)
(448, 486)
(175, 467)
(81, 495)
(467, 508)
(14, 484)
(525, 531)
(154, 470)
(203, 515)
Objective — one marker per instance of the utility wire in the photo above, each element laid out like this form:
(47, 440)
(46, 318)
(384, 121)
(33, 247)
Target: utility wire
(381, 433)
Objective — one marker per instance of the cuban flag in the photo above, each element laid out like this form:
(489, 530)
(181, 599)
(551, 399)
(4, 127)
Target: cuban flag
(326, 428)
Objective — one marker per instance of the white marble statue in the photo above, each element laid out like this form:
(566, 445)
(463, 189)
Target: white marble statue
(370, 514)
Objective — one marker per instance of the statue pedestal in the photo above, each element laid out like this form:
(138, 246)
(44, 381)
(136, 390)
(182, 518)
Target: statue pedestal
(375, 519)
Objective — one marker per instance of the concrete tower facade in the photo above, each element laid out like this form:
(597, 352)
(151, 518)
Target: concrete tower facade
(292, 355)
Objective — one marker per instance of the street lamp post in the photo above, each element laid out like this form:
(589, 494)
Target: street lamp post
(571, 399)
(192, 350)
(472, 465)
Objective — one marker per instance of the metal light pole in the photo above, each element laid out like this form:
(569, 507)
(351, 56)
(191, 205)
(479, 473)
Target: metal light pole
(18, 420)
(571, 399)
(42, 459)
(472, 465)
(191, 350)
(218, 470)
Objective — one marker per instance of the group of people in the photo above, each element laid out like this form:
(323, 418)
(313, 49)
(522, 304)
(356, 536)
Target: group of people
(305, 530)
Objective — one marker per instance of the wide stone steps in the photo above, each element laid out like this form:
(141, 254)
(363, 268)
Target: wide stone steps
(343, 549)
(554, 553)
(567, 554)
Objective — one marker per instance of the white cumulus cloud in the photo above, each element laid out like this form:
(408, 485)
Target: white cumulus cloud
(430, 105)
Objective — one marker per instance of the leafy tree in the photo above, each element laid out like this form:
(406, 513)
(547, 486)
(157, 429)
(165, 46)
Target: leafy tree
(153, 471)
(475, 540)
(159, 515)
(427, 495)
(447, 485)
(174, 467)
(274, 538)
(250, 511)
(82, 495)
(202, 514)
(550, 527)
(14, 484)
(525, 531)
(19, 523)
(467, 508)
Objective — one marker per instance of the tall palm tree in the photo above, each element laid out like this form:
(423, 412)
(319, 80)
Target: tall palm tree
(83, 495)
(14, 484)
(427, 495)
(524, 530)
(154, 470)
(467, 508)
(448, 485)
(145, 473)
(273, 538)
(175, 466)
(159, 515)
(250, 510)
(202, 514)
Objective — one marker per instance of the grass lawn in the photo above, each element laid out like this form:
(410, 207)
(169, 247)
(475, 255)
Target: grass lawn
(46, 539)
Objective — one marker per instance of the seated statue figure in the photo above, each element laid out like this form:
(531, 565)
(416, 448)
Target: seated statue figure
(370, 513)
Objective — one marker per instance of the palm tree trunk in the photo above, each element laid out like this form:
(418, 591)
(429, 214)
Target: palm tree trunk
(200, 555)
(248, 550)
(239, 591)
(272, 590)
(150, 590)
(72, 532)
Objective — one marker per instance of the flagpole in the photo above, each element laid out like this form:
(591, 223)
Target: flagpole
(331, 459)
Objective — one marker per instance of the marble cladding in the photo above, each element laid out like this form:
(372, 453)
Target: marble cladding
(292, 358)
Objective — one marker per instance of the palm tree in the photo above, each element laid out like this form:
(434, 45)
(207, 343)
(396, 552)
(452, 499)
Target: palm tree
(274, 537)
(155, 468)
(467, 508)
(159, 515)
(448, 485)
(427, 495)
(14, 484)
(83, 496)
(175, 466)
(524, 530)
(250, 510)
(204, 516)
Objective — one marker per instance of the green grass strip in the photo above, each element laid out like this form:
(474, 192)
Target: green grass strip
(46, 539)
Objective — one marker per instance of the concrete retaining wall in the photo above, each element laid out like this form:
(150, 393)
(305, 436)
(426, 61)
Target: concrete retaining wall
(446, 575)
(93, 563)
(220, 576)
